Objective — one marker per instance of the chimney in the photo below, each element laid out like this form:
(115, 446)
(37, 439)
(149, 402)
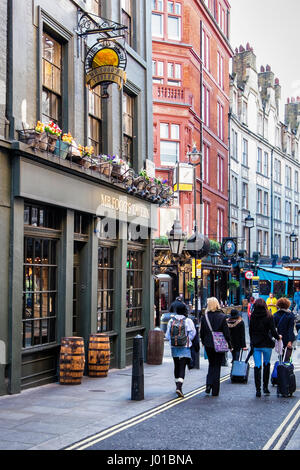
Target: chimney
(241, 61)
(292, 113)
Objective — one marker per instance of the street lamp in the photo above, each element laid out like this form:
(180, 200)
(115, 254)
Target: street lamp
(249, 223)
(176, 242)
(293, 240)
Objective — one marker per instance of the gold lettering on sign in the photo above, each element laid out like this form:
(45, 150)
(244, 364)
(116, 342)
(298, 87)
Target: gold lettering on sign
(121, 205)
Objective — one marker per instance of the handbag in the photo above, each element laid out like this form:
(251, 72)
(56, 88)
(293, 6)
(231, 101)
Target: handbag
(220, 343)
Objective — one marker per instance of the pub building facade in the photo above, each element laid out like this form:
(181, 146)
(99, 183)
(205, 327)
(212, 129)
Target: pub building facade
(75, 245)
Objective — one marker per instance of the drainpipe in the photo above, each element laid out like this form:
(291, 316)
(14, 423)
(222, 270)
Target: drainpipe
(9, 72)
(272, 203)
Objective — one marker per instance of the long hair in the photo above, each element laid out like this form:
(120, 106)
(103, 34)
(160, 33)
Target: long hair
(259, 306)
(212, 304)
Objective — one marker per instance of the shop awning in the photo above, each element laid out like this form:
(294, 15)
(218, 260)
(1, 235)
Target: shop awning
(277, 274)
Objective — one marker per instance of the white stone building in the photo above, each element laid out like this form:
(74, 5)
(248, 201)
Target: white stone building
(264, 160)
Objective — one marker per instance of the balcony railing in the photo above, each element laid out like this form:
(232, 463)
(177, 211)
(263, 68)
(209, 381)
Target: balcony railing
(173, 94)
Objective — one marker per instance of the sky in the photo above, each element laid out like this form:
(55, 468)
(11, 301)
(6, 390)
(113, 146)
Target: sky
(272, 27)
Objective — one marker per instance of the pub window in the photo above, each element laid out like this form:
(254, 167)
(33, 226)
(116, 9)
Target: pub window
(105, 290)
(39, 292)
(95, 120)
(264, 287)
(128, 115)
(134, 290)
(41, 216)
(127, 19)
(52, 80)
(81, 223)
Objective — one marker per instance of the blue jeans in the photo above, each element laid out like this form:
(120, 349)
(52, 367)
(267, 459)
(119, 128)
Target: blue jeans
(258, 352)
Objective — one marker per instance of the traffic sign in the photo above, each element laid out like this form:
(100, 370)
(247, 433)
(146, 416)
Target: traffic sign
(249, 275)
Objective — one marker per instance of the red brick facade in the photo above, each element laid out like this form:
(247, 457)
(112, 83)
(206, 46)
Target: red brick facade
(177, 102)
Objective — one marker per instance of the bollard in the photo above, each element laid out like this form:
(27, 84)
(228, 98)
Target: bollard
(137, 383)
(155, 349)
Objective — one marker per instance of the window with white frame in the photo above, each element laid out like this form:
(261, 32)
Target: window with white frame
(220, 70)
(174, 20)
(205, 49)
(259, 160)
(277, 170)
(259, 201)
(206, 105)
(234, 144)
(127, 15)
(266, 244)
(220, 225)
(206, 218)
(259, 241)
(277, 208)
(260, 124)
(245, 152)
(266, 203)
(205, 163)
(220, 119)
(169, 143)
(220, 173)
(174, 74)
(277, 244)
(157, 71)
(244, 195)
(158, 18)
(234, 190)
(288, 176)
(287, 246)
(266, 164)
(296, 188)
(288, 212)
(296, 215)
(244, 114)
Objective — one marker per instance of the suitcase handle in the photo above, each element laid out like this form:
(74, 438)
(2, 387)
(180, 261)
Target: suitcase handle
(241, 353)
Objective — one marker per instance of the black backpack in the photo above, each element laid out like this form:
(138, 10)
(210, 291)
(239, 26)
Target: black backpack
(177, 333)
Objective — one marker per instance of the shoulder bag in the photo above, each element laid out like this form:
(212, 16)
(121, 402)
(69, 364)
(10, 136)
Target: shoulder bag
(220, 343)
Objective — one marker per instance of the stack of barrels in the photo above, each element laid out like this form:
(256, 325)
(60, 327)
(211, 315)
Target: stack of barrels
(72, 358)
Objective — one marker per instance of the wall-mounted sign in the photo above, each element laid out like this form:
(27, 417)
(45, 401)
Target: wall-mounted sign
(183, 173)
(105, 63)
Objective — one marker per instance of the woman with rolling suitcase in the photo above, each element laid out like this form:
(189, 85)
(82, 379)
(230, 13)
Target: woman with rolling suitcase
(285, 322)
(261, 330)
(236, 327)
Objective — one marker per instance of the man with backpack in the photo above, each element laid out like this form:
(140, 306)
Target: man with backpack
(180, 333)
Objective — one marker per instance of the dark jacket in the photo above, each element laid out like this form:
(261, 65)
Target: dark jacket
(237, 332)
(262, 329)
(284, 322)
(218, 323)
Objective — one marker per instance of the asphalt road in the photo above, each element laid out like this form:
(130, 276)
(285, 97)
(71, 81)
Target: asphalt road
(236, 420)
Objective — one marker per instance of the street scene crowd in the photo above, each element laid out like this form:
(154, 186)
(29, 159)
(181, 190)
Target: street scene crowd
(271, 324)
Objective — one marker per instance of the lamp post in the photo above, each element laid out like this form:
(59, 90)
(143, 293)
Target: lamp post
(195, 159)
(249, 223)
(293, 240)
(176, 243)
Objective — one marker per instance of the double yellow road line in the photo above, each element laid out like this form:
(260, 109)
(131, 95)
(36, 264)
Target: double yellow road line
(101, 436)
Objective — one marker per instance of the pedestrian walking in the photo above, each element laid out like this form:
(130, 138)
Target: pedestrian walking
(261, 330)
(271, 303)
(297, 299)
(176, 302)
(250, 308)
(180, 333)
(217, 321)
(285, 323)
(236, 327)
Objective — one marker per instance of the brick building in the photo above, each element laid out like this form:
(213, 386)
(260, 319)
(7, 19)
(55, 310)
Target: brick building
(191, 50)
(190, 60)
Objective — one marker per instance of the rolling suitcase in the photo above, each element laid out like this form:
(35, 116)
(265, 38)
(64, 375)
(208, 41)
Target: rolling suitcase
(286, 380)
(274, 374)
(240, 370)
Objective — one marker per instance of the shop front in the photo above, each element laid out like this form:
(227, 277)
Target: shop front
(80, 264)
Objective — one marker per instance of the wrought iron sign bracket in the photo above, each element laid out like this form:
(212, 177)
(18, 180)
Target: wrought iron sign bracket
(88, 23)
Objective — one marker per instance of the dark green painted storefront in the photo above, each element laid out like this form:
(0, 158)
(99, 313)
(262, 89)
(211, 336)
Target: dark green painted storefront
(79, 263)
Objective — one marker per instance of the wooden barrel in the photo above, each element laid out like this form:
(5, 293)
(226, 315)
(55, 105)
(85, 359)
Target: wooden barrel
(155, 349)
(98, 355)
(71, 360)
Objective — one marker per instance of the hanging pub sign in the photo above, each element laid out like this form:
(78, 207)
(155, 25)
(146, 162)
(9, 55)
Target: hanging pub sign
(105, 63)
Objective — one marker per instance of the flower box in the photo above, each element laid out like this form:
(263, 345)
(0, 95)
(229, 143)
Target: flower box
(106, 168)
(62, 149)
